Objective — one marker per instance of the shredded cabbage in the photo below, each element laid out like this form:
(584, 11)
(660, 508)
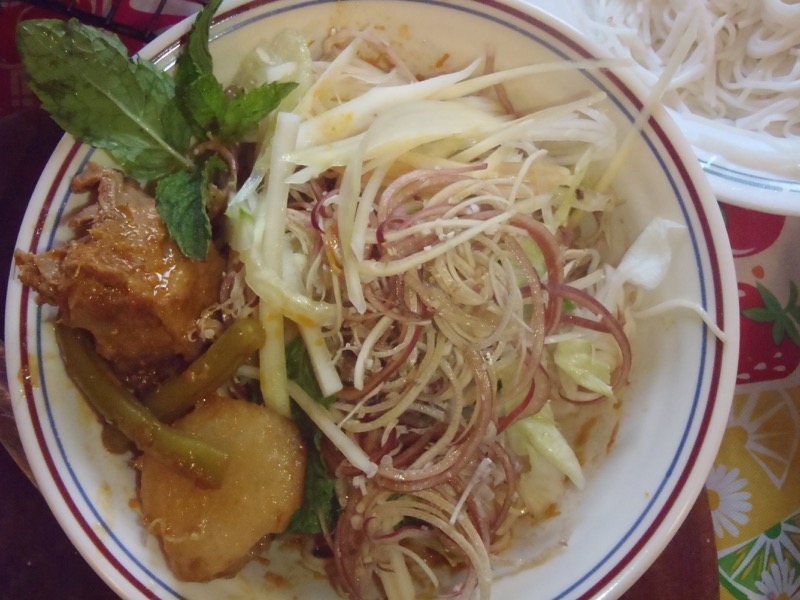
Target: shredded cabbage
(539, 439)
(577, 359)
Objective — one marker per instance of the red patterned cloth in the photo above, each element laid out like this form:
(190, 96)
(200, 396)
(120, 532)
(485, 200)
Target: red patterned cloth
(754, 487)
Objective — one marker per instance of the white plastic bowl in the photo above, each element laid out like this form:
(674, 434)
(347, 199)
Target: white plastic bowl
(739, 164)
(681, 384)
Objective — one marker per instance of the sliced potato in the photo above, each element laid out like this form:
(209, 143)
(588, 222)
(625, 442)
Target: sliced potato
(208, 533)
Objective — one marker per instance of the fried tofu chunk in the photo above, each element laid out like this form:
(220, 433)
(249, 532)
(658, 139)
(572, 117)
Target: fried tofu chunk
(209, 533)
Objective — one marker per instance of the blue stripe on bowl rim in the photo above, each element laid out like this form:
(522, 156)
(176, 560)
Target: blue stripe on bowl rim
(553, 40)
(754, 180)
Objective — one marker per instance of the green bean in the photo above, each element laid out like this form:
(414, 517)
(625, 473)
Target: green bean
(122, 411)
(207, 373)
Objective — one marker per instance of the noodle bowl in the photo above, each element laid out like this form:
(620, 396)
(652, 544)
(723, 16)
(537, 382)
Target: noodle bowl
(744, 67)
(659, 443)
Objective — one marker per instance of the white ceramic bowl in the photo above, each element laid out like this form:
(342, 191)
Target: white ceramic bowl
(681, 384)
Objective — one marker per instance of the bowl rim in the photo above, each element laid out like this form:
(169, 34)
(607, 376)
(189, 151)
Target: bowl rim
(623, 572)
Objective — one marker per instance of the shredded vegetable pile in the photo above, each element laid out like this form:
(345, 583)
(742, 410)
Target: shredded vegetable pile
(439, 255)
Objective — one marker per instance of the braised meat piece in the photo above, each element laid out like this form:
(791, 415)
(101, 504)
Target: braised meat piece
(125, 280)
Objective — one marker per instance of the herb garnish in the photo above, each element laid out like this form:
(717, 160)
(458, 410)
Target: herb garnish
(205, 103)
(319, 500)
(85, 80)
(143, 118)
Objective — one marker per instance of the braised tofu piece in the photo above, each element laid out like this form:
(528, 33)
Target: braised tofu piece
(208, 533)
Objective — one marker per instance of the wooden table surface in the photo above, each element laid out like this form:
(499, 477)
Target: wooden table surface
(38, 561)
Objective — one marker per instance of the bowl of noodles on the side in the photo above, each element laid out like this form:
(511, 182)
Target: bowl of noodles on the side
(730, 80)
(366, 299)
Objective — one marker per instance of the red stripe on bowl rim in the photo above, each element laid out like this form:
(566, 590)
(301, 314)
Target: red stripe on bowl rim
(36, 419)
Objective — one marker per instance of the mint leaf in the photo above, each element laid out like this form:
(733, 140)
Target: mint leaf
(300, 370)
(203, 101)
(196, 58)
(180, 201)
(205, 104)
(245, 110)
(319, 500)
(85, 80)
(199, 94)
(176, 131)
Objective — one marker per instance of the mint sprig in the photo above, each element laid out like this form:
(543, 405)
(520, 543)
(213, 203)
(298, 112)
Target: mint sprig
(142, 117)
(85, 80)
(208, 108)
